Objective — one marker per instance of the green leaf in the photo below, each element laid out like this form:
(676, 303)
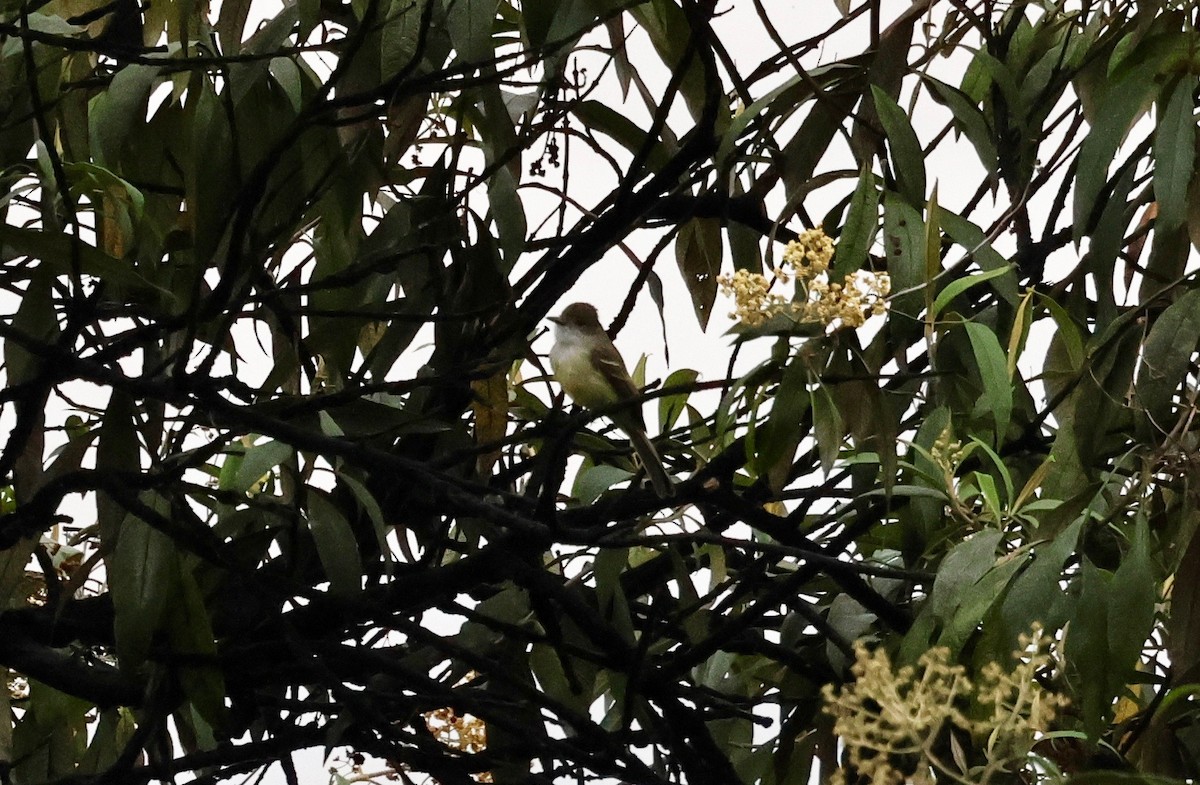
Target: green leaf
(966, 563)
(53, 24)
(548, 664)
(827, 426)
(371, 507)
(969, 120)
(962, 568)
(615, 26)
(1088, 644)
(607, 569)
(749, 114)
(1125, 101)
(258, 460)
(991, 496)
(862, 222)
(971, 237)
(999, 465)
(117, 110)
(210, 185)
(401, 37)
(1027, 598)
(336, 546)
(1165, 357)
(1019, 333)
(230, 24)
(1131, 608)
(112, 733)
(986, 71)
(117, 450)
(1170, 252)
(699, 251)
(508, 212)
(1107, 243)
(290, 79)
(591, 482)
(908, 160)
(824, 121)
(667, 26)
(1112, 622)
(851, 620)
(57, 252)
(95, 182)
(671, 406)
(976, 601)
(993, 369)
(745, 241)
(933, 253)
(50, 737)
(904, 245)
(960, 285)
(191, 635)
(599, 116)
(142, 577)
(1068, 332)
(36, 320)
(1174, 154)
(553, 24)
(775, 443)
(470, 23)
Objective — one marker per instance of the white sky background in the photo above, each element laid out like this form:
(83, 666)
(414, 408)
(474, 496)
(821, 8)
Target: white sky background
(953, 166)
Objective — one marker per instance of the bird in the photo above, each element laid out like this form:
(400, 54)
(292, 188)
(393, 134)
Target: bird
(590, 370)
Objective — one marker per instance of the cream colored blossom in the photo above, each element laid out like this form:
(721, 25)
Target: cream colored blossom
(754, 302)
(849, 303)
(463, 732)
(947, 452)
(810, 253)
(894, 722)
(806, 261)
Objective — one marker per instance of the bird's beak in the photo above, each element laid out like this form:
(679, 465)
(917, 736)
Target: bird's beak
(555, 319)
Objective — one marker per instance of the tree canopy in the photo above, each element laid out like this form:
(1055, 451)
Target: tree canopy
(286, 469)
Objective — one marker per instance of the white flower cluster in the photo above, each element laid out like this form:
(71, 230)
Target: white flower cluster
(806, 259)
(895, 723)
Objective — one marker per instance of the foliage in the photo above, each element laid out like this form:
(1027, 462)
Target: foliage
(284, 472)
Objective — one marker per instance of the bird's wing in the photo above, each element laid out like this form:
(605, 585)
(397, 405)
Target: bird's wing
(608, 362)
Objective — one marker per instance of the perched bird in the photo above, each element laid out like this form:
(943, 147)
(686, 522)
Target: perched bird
(591, 371)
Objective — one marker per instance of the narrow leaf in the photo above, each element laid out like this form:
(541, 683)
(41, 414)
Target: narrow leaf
(827, 425)
(903, 243)
(1165, 356)
(698, 251)
(908, 160)
(969, 120)
(862, 222)
(960, 285)
(993, 369)
(258, 460)
(1123, 103)
(141, 577)
(975, 242)
(336, 546)
(1174, 155)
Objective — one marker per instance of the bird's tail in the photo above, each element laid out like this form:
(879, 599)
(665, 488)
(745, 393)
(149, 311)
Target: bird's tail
(652, 463)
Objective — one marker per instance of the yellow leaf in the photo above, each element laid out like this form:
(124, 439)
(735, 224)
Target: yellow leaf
(490, 404)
